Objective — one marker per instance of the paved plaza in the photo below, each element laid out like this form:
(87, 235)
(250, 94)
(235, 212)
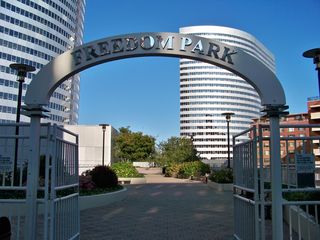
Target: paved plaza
(164, 208)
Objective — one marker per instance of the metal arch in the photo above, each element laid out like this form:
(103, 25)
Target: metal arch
(155, 44)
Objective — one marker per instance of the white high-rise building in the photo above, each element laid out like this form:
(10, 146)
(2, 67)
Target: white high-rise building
(207, 91)
(34, 32)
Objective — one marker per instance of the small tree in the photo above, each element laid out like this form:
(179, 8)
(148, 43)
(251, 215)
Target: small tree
(176, 150)
(134, 146)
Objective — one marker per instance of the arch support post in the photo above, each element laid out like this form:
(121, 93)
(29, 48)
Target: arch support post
(274, 113)
(35, 114)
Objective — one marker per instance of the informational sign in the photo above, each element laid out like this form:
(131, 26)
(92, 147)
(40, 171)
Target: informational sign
(304, 163)
(5, 164)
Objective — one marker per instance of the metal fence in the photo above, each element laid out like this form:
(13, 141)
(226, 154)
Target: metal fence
(252, 184)
(58, 212)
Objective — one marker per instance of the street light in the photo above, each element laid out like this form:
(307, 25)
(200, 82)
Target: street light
(228, 119)
(22, 70)
(315, 54)
(103, 125)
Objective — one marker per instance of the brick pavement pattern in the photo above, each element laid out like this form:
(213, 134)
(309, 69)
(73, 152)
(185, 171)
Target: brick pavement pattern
(172, 210)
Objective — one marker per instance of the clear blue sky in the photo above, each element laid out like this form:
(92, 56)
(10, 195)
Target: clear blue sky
(143, 93)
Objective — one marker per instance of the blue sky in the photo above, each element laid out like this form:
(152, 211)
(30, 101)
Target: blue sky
(143, 93)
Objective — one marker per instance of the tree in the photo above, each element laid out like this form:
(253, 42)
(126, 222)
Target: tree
(134, 146)
(177, 150)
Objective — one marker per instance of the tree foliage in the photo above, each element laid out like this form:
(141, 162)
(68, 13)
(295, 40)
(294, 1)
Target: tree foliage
(177, 150)
(134, 146)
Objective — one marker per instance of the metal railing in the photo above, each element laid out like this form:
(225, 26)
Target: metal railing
(58, 212)
(252, 185)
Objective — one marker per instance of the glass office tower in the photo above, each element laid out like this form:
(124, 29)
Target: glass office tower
(207, 91)
(33, 33)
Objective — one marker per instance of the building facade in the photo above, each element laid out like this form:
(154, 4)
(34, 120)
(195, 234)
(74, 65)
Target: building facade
(34, 33)
(207, 91)
(91, 145)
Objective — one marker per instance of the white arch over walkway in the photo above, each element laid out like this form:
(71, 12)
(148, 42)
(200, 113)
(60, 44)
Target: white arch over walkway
(154, 44)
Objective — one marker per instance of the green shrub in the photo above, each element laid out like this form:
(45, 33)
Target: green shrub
(187, 169)
(172, 170)
(223, 175)
(195, 169)
(104, 177)
(125, 170)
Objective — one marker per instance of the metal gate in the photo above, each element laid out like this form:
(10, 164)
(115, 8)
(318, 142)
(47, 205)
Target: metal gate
(57, 204)
(252, 183)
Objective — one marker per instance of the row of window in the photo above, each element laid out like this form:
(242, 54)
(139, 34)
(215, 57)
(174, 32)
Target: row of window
(25, 49)
(219, 103)
(46, 11)
(202, 134)
(207, 73)
(35, 29)
(12, 84)
(12, 58)
(219, 109)
(215, 121)
(30, 39)
(211, 115)
(199, 67)
(211, 79)
(219, 91)
(59, 96)
(211, 146)
(220, 127)
(215, 85)
(9, 96)
(213, 152)
(58, 7)
(209, 140)
(240, 38)
(64, 2)
(222, 97)
(56, 106)
(12, 71)
(7, 109)
(56, 118)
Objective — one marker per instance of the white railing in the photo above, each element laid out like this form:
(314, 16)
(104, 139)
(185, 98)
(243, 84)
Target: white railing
(58, 208)
(252, 196)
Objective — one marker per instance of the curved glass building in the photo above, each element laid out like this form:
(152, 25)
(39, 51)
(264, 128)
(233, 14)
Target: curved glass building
(207, 91)
(33, 33)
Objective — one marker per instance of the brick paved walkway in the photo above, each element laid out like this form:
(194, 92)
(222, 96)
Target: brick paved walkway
(176, 210)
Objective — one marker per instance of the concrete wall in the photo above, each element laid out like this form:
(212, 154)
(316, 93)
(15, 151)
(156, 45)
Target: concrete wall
(90, 145)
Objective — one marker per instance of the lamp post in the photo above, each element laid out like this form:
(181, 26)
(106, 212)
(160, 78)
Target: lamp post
(228, 119)
(315, 54)
(22, 70)
(103, 125)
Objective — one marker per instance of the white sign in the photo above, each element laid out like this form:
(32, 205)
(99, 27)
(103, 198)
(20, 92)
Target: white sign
(5, 164)
(304, 162)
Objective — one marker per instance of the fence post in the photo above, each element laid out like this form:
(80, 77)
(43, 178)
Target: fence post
(33, 170)
(273, 113)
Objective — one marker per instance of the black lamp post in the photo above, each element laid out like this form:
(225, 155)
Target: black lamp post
(315, 54)
(103, 125)
(228, 119)
(22, 70)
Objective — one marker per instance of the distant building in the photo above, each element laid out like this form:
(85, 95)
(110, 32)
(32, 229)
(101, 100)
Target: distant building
(90, 145)
(292, 140)
(206, 91)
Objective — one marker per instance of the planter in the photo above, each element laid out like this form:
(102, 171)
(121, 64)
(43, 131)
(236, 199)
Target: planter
(18, 207)
(221, 187)
(86, 202)
(132, 180)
